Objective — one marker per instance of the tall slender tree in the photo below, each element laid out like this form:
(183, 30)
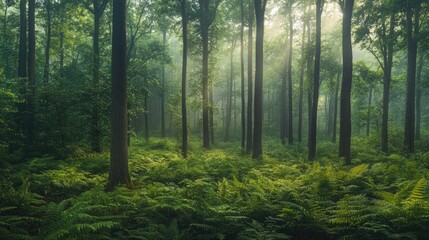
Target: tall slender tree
(164, 44)
(206, 11)
(22, 59)
(346, 86)
(243, 100)
(412, 26)
(183, 13)
(260, 6)
(48, 7)
(419, 94)
(289, 74)
(118, 173)
(249, 141)
(301, 76)
(96, 8)
(316, 83)
(31, 75)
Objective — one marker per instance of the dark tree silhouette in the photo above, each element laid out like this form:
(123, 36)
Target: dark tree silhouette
(346, 86)
(249, 142)
(259, 77)
(118, 173)
(316, 84)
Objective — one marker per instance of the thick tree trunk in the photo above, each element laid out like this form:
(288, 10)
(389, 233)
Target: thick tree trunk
(249, 142)
(243, 100)
(345, 108)
(118, 173)
(164, 44)
(313, 118)
(184, 72)
(259, 74)
(48, 41)
(412, 32)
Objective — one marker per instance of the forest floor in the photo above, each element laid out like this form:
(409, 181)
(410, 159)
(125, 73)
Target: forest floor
(220, 194)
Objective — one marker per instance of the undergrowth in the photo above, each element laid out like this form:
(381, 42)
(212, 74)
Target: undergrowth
(219, 194)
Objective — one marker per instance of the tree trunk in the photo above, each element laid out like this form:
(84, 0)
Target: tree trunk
(164, 44)
(118, 173)
(419, 95)
(310, 73)
(249, 141)
(48, 41)
(283, 103)
(411, 75)
(31, 77)
(259, 74)
(206, 137)
(184, 72)
(301, 83)
(22, 60)
(243, 101)
(334, 122)
(146, 116)
(289, 76)
(345, 108)
(211, 114)
(313, 118)
(368, 123)
(387, 76)
(95, 115)
(229, 97)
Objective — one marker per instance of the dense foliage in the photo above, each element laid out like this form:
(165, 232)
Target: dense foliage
(219, 194)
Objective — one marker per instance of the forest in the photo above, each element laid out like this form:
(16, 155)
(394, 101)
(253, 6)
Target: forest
(214, 119)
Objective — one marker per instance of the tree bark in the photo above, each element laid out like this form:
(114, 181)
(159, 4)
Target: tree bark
(205, 42)
(249, 141)
(229, 96)
(184, 72)
(31, 76)
(243, 100)
(301, 82)
(412, 32)
(316, 76)
(259, 74)
(48, 40)
(118, 173)
(345, 108)
(368, 123)
(211, 114)
(334, 122)
(22, 60)
(289, 76)
(419, 95)
(164, 44)
(96, 131)
(146, 117)
(387, 76)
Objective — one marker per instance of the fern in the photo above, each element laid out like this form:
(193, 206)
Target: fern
(65, 220)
